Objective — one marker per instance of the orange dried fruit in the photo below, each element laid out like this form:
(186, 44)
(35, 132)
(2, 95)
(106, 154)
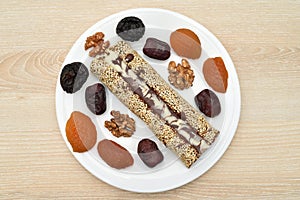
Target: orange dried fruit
(215, 74)
(186, 43)
(81, 132)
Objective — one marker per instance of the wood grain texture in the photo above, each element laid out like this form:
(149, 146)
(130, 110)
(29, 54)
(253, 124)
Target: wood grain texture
(263, 39)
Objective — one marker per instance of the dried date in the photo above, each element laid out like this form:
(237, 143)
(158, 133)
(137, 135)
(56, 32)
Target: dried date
(95, 98)
(157, 49)
(208, 103)
(149, 152)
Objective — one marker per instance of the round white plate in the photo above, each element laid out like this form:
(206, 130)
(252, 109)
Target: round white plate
(170, 173)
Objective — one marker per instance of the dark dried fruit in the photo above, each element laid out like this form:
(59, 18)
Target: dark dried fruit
(208, 103)
(73, 76)
(149, 152)
(95, 98)
(130, 28)
(129, 57)
(157, 49)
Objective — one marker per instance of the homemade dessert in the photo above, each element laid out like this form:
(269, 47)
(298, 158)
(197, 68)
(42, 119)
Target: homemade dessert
(81, 132)
(73, 76)
(120, 125)
(208, 103)
(172, 119)
(149, 152)
(157, 49)
(186, 43)
(181, 75)
(215, 74)
(130, 28)
(114, 154)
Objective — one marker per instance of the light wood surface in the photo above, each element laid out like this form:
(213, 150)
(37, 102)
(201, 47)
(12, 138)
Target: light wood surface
(263, 39)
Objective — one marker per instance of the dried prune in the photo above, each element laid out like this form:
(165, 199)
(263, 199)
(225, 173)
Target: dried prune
(130, 28)
(95, 98)
(73, 76)
(157, 49)
(149, 152)
(208, 103)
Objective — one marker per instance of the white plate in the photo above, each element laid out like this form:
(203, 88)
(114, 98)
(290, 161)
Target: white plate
(171, 173)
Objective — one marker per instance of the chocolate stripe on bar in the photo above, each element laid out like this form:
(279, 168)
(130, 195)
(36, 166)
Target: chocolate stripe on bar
(155, 104)
(166, 93)
(114, 82)
(144, 99)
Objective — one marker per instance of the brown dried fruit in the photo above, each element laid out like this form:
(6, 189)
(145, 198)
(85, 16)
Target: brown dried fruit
(114, 154)
(120, 125)
(73, 76)
(95, 98)
(208, 103)
(149, 152)
(186, 43)
(96, 41)
(157, 49)
(215, 74)
(81, 132)
(181, 76)
(130, 28)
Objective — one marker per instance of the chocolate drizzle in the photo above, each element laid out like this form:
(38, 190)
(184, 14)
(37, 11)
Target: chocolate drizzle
(156, 104)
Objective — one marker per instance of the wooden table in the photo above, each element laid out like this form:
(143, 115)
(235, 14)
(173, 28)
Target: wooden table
(263, 39)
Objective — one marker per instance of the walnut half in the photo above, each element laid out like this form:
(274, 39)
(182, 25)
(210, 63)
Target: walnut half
(120, 125)
(97, 42)
(181, 76)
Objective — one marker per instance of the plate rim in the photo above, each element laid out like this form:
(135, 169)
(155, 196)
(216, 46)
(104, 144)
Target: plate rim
(233, 125)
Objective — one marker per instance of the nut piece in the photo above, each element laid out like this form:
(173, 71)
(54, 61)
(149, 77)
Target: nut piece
(96, 41)
(181, 76)
(120, 125)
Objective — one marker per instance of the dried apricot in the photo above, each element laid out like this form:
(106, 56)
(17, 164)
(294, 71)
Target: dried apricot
(81, 132)
(186, 43)
(114, 154)
(215, 74)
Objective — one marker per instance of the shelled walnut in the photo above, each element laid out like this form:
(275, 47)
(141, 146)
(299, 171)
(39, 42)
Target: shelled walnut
(181, 76)
(120, 125)
(96, 41)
